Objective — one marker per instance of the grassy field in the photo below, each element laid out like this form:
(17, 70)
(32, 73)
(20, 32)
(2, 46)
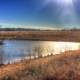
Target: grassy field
(55, 35)
(65, 66)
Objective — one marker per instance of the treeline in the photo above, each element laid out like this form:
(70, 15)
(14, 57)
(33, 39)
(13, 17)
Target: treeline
(22, 29)
(72, 29)
(29, 29)
(16, 29)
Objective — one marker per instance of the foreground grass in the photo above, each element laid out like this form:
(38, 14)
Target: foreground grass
(58, 67)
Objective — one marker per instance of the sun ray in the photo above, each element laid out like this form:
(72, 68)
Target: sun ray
(67, 15)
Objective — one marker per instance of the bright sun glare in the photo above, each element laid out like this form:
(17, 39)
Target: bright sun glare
(60, 1)
(67, 2)
(67, 14)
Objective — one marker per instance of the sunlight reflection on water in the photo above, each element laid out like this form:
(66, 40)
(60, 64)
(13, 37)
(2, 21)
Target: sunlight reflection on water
(16, 50)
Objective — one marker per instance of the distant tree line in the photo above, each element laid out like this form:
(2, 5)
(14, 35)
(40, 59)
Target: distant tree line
(22, 29)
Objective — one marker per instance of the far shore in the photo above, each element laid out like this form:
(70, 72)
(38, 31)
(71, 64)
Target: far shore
(54, 35)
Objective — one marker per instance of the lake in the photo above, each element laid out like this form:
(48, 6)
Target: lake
(16, 50)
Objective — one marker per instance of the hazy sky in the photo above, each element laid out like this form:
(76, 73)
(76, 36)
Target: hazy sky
(64, 13)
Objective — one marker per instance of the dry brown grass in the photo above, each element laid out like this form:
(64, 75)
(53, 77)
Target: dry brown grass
(64, 66)
(56, 35)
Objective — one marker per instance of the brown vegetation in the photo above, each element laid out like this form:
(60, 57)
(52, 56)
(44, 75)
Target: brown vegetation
(65, 66)
(55, 35)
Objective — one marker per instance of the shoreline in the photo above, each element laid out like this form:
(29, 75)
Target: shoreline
(51, 67)
(66, 35)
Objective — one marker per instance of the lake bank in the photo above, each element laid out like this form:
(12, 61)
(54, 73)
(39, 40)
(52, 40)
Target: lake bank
(58, 67)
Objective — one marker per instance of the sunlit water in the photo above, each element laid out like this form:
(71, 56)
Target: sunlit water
(15, 50)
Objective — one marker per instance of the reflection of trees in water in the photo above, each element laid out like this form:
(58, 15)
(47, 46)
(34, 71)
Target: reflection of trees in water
(40, 51)
(37, 51)
(2, 56)
(34, 51)
(29, 53)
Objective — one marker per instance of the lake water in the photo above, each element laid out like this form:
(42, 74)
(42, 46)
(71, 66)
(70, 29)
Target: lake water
(15, 50)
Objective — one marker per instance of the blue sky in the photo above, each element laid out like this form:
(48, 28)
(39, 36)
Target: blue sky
(40, 12)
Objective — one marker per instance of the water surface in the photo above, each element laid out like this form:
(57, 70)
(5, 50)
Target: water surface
(15, 50)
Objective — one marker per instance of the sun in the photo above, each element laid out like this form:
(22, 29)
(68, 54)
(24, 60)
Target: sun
(68, 1)
(61, 1)
(64, 2)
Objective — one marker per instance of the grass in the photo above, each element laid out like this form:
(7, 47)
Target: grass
(65, 66)
(55, 35)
